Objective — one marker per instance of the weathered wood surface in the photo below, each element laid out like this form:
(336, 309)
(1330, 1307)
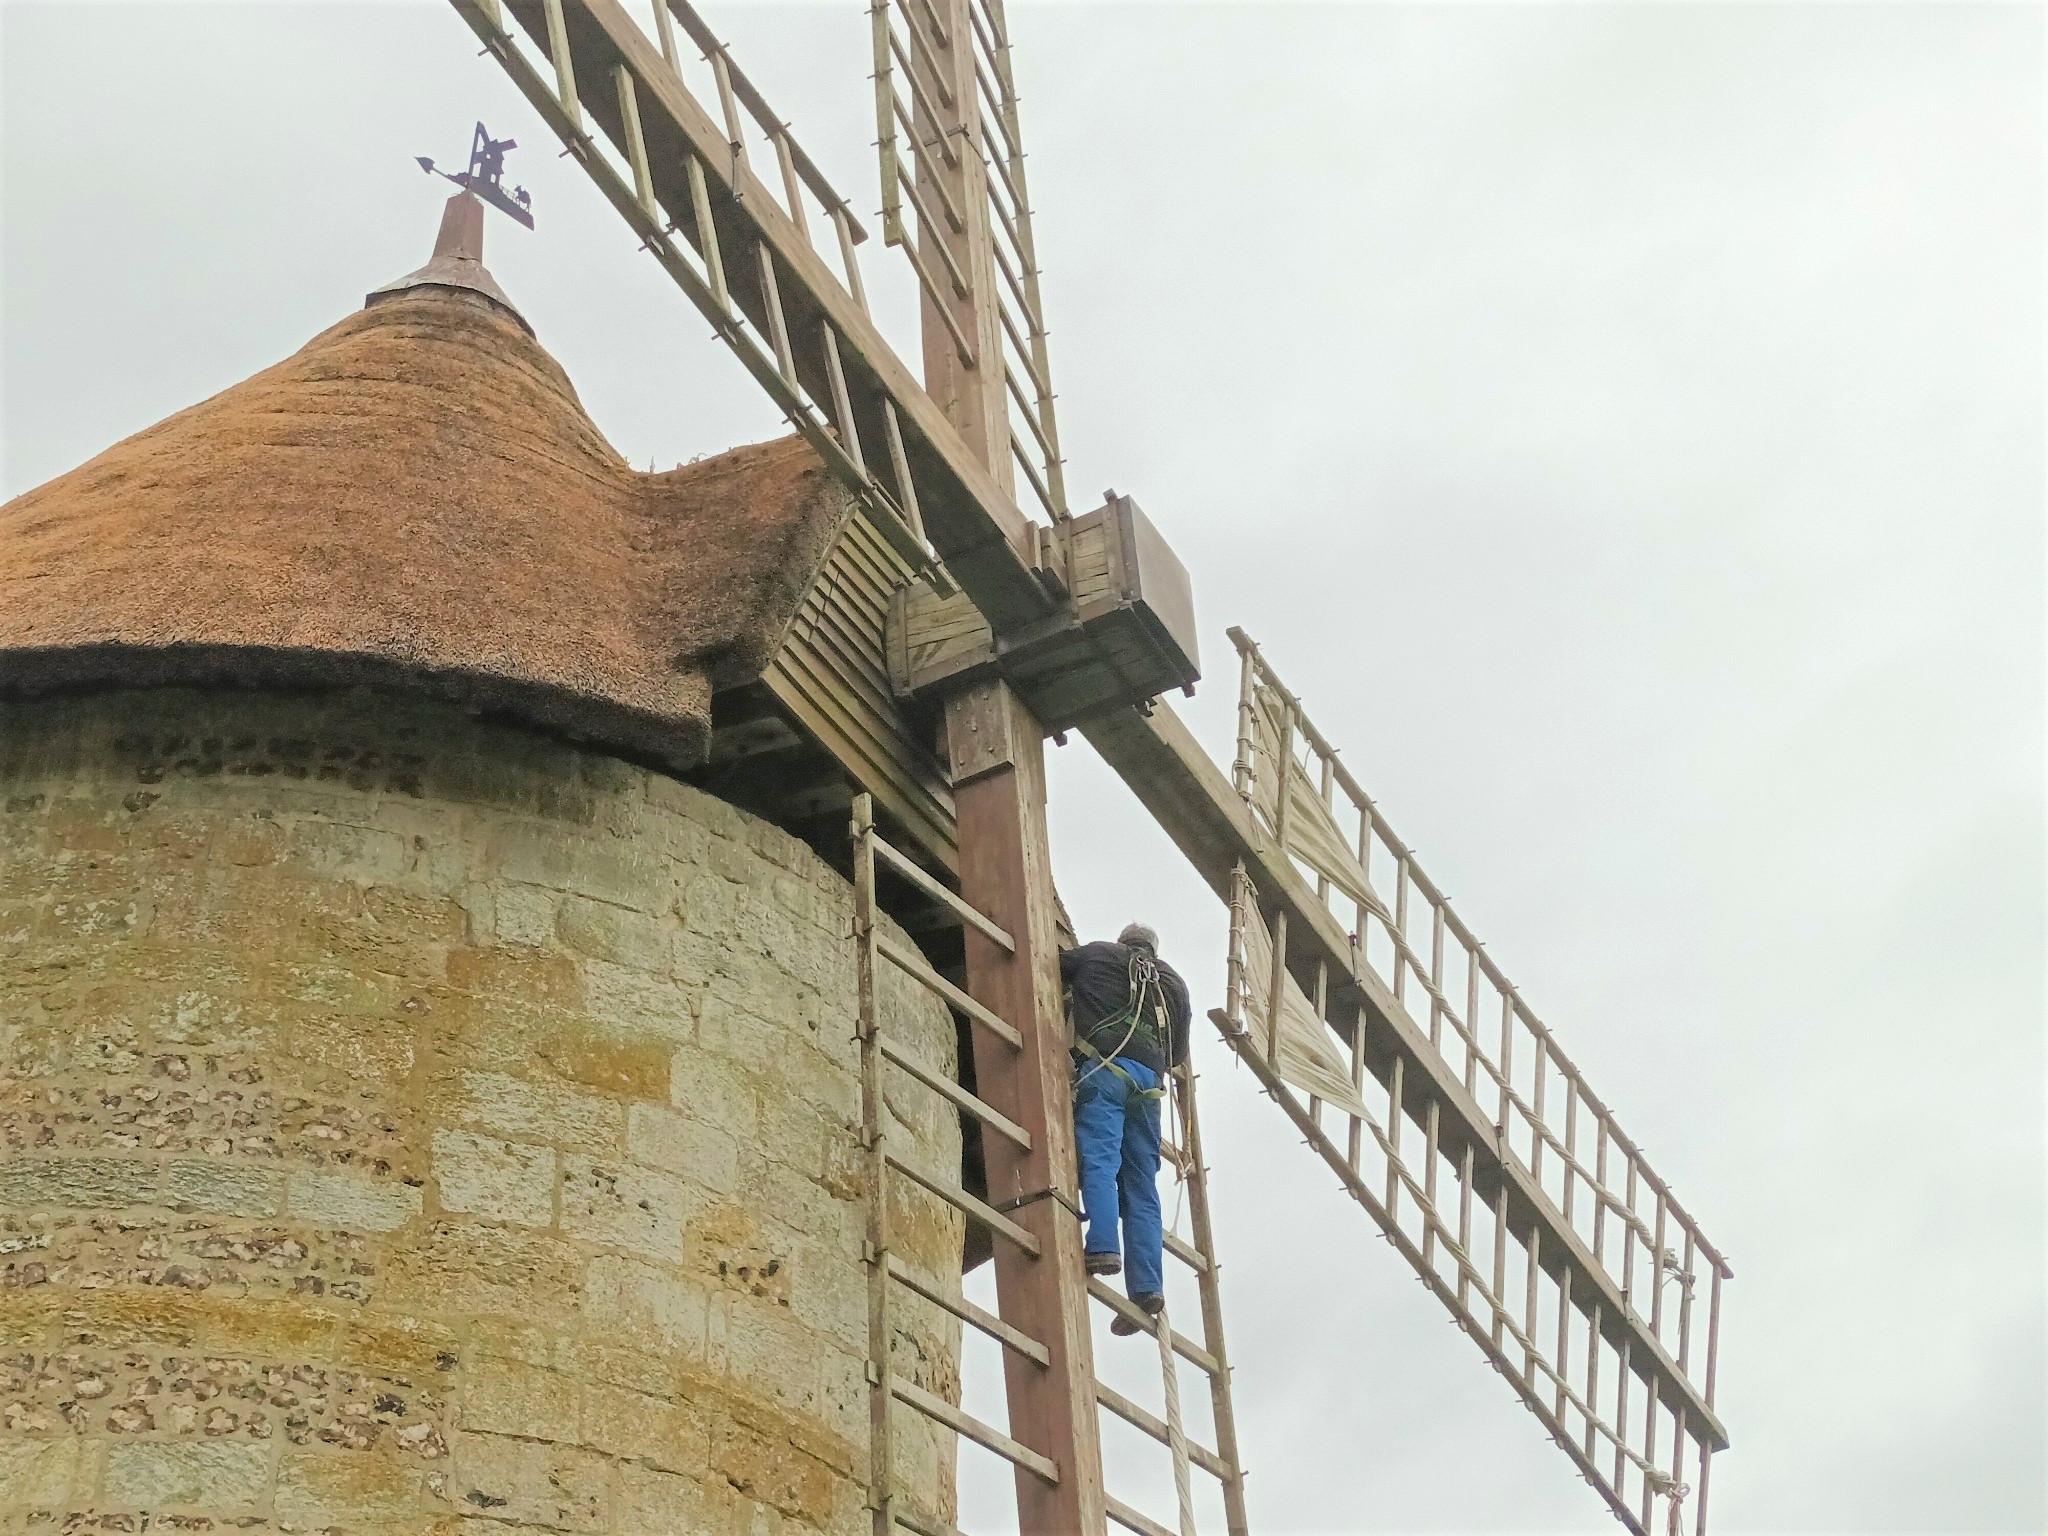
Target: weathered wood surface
(1192, 800)
(832, 676)
(968, 513)
(998, 758)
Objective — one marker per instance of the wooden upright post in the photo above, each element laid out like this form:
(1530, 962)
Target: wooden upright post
(996, 751)
(998, 758)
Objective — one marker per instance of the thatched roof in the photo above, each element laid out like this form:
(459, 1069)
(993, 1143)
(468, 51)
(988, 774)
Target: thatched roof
(416, 500)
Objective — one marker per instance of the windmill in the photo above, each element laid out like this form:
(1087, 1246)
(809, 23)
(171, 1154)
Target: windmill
(1362, 1003)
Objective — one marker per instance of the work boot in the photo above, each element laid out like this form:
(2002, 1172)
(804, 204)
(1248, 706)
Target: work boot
(1104, 1263)
(1147, 1302)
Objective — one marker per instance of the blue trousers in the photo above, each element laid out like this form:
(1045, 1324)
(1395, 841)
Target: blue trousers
(1116, 1132)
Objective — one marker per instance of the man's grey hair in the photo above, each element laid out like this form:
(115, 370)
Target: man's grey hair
(1138, 936)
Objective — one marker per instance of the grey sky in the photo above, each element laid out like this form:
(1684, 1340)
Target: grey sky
(1623, 424)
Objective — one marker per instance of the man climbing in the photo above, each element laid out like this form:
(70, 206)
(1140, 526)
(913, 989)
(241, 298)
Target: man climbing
(1130, 1015)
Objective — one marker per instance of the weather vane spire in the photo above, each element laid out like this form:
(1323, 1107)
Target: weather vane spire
(485, 176)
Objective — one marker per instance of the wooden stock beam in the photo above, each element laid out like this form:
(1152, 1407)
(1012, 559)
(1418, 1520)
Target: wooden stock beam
(1208, 821)
(974, 525)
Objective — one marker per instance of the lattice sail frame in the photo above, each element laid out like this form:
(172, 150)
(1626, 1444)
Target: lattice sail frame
(1620, 1395)
(911, 89)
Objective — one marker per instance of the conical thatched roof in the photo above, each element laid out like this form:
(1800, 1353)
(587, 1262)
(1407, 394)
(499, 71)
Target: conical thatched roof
(416, 499)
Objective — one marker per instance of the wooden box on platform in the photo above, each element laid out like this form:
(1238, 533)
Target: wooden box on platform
(1127, 634)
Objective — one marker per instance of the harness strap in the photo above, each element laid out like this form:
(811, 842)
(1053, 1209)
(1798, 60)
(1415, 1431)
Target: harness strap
(1101, 1061)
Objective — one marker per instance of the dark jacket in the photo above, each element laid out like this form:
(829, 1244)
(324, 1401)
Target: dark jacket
(1098, 982)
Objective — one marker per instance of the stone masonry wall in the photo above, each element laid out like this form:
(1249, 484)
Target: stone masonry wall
(408, 1124)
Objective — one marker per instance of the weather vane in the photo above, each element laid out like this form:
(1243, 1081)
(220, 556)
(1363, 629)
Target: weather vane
(485, 176)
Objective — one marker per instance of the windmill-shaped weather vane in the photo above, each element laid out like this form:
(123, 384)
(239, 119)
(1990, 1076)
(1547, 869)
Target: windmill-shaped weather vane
(485, 176)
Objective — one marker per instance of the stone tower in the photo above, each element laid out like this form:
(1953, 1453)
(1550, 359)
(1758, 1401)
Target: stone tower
(423, 1110)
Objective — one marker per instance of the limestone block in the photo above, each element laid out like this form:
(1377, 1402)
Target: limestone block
(621, 935)
(647, 1305)
(717, 1092)
(463, 1267)
(224, 1188)
(680, 1143)
(621, 1205)
(38, 1474)
(506, 1397)
(544, 855)
(651, 1502)
(654, 1431)
(524, 914)
(501, 1180)
(339, 851)
(170, 1474)
(643, 1003)
(68, 1183)
(378, 1053)
(318, 1488)
(351, 1201)
(765, 1469)
(412, 1125)
(558, 1487)
(496, 1103)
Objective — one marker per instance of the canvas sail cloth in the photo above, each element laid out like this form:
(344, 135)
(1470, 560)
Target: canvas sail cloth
(1313, 835)
(1309, 1057)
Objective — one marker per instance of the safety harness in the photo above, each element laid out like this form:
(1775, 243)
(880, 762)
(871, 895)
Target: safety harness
(1143, 990)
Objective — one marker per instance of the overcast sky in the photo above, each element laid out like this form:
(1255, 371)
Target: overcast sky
(1623, 424)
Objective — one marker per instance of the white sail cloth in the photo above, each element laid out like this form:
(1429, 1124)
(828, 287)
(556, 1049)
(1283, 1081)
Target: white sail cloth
(1313, 835)
(1308, 1055)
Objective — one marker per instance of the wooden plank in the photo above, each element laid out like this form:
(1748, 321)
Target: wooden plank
(1131, 1520)
(1510, 994)
(874, 1152)
(1223, 1412)
(874, 747)
(1183, 1346)
(920, 810)
(757, 104)
(967, 1204)
(904, 960)
(957, 1096)
(908, 868)
(1139, 1419)
(912, 1520)
(967, 511)
(968, 1312)
(938, 1408)
(1188, 1256)
(1518, 1375)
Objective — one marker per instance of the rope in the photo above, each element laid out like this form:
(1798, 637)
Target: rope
(1176, 1437)
(1663, 1486)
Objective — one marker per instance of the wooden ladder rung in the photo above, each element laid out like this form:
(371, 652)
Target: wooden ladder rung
(968, 1312)
(909, 869)
(1192, 1257)
(986, 1435)
(1131, 1520)
(1139, 1419)
(954, 1094)
(1183, 1346)
(968, 1205)
(914, 965)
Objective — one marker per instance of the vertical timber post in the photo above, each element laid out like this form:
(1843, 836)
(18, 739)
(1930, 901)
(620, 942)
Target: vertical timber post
(998, 762)
(996, 754)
